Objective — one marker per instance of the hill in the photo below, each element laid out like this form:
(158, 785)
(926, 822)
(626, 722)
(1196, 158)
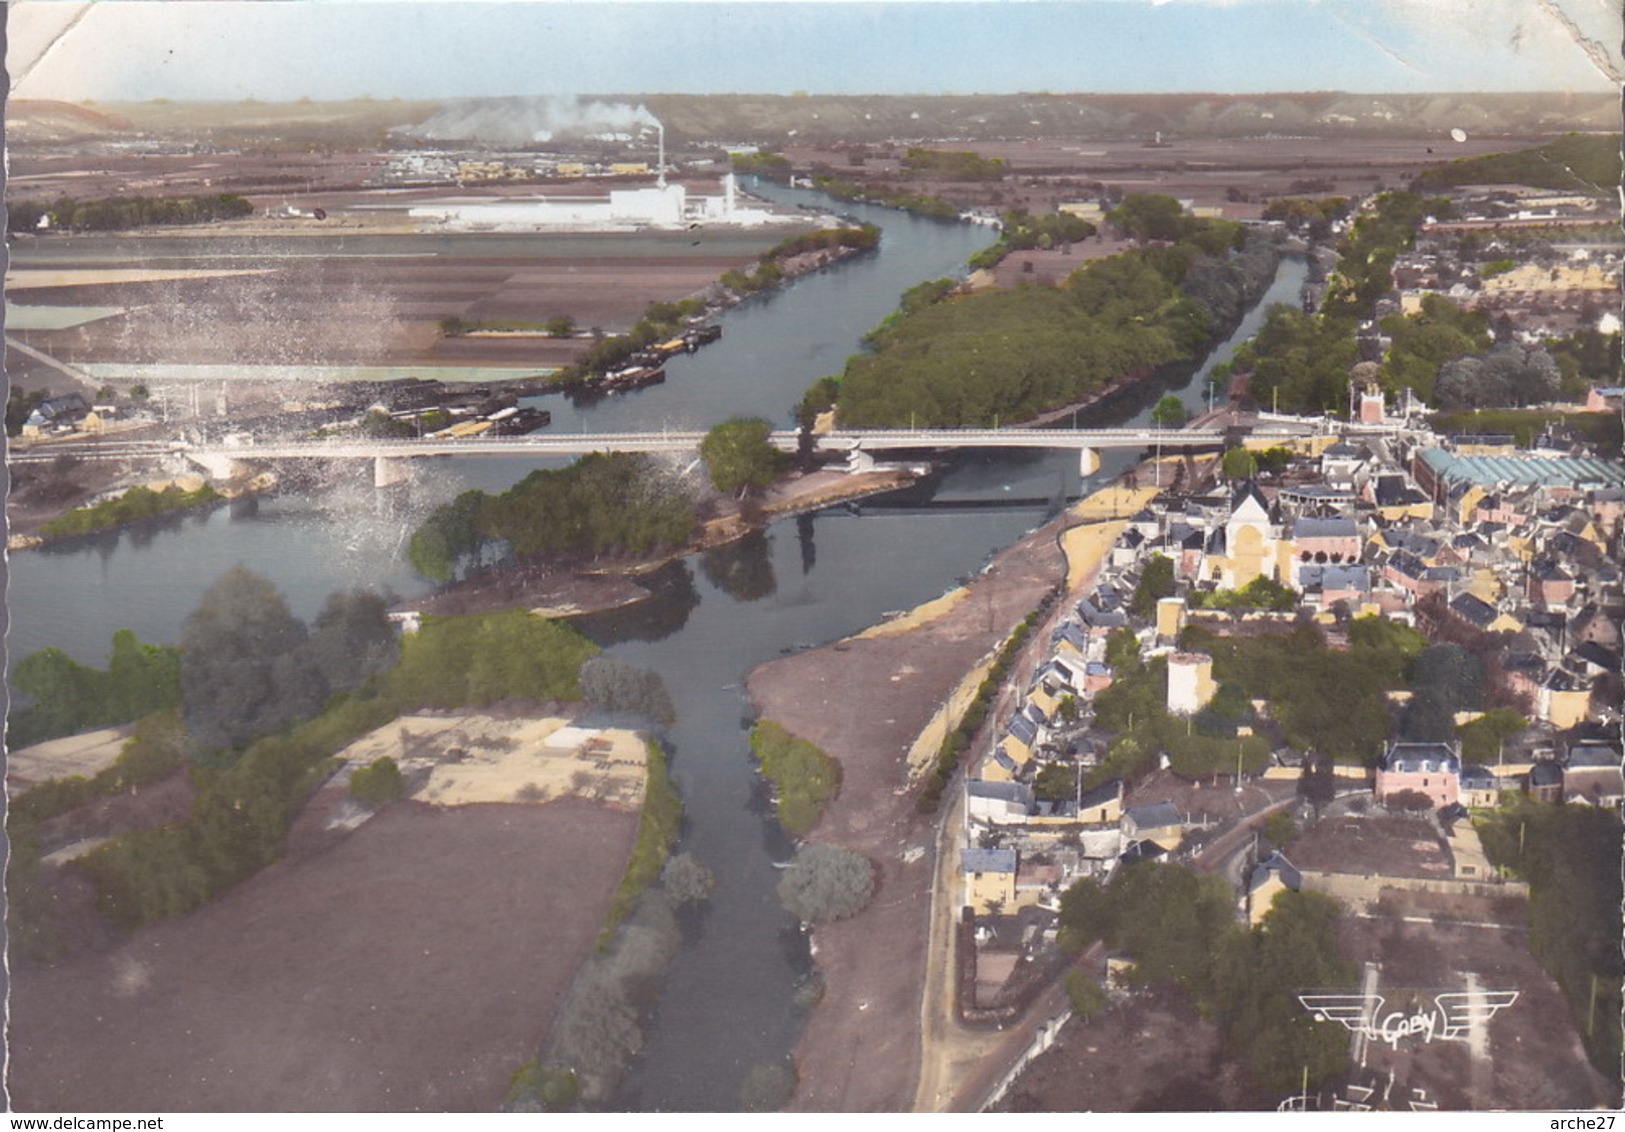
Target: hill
(1573, 162)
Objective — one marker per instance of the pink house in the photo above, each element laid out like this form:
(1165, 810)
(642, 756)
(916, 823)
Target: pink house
(1433, 769)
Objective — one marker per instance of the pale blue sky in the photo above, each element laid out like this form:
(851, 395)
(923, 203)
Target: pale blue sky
(140, 49)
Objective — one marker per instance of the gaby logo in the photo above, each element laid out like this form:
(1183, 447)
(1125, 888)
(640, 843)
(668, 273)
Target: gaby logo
(1453, 1014)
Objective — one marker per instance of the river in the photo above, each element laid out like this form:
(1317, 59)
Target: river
(727, 1001)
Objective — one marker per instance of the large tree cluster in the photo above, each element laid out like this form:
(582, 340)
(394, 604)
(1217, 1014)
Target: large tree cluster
(248, 666)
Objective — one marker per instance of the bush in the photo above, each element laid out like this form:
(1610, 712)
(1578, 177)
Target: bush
(377, 783)
(686, 881)
(803, 777)
(826, 882)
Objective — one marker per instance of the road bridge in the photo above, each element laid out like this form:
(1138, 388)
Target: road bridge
(220, 456)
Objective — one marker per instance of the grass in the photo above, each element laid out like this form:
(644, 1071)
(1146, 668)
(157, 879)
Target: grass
(657, 833)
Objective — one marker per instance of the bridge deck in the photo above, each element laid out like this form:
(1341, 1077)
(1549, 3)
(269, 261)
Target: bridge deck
(580, 444)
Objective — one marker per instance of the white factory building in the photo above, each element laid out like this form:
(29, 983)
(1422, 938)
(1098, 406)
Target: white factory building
(657, 206)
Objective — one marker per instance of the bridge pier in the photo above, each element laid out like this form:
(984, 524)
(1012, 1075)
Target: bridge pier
(387, 471)
(857, 460)
(1088, 461)
(218, 467)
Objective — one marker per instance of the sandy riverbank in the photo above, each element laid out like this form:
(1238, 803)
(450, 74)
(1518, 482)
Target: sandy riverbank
(875, 701)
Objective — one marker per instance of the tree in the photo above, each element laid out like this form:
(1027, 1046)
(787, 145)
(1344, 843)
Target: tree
(1085, 994)
(1122, 651)
(1156, 583)
(826, 882)
(1168, 412)
(1238, 464)
(1280, 829)
(561, 326)
(378, 782)
(614, 685)
(238, 675)
(140, 394)
(739, 456)
(1149, 216)
(352, 639)
(1318, 782)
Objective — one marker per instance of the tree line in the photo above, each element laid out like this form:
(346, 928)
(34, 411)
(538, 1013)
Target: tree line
(999, 356)
(615, 503)
(132, 506)
(108, 214)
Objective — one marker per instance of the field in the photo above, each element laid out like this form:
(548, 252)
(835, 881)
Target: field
(363, 298)
(410, 960)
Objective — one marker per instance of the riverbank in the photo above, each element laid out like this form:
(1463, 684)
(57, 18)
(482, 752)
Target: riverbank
(871, 701)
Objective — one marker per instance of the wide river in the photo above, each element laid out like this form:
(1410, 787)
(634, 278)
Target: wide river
(727, 1000)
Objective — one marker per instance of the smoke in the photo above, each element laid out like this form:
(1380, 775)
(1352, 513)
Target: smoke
(523, 121)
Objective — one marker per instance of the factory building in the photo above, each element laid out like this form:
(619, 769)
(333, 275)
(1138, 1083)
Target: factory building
(656, 206)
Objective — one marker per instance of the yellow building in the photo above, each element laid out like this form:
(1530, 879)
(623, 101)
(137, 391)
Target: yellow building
(1271, 875)
(990, 880)
(1159, 823)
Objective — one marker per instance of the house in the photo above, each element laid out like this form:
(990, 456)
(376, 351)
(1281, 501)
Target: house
(1563, 699)
(990, 879)
(1432, 769)
(1103, 805)
(1545, 781)
(54, 414)
(1319, 541)
(1549, 584)
(1479, 788)
(1159, 823)
(1592, 775)
(997, 803)
(1271, 875)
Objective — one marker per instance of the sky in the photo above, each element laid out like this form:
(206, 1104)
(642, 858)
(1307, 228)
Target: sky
(273, 50)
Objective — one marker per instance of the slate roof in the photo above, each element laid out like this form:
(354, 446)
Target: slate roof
(1473, 610)
(1325, 528)
(1104, 794)
(1024, 729)
(1344, 577)
(1417, 758)
(987, 860)
(1153, 816)
(1278, 865)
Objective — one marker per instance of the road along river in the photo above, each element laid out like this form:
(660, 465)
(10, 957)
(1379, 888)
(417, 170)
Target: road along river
(727, 1000)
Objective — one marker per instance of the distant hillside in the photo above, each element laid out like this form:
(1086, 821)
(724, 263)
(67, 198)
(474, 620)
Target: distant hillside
(1574, 162)
(775, 119)
(45, 121)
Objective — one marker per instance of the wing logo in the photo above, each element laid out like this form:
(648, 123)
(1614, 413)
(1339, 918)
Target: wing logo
(1452, 1015)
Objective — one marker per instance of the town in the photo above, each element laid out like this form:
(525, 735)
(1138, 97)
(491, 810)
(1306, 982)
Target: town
(814, 601)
